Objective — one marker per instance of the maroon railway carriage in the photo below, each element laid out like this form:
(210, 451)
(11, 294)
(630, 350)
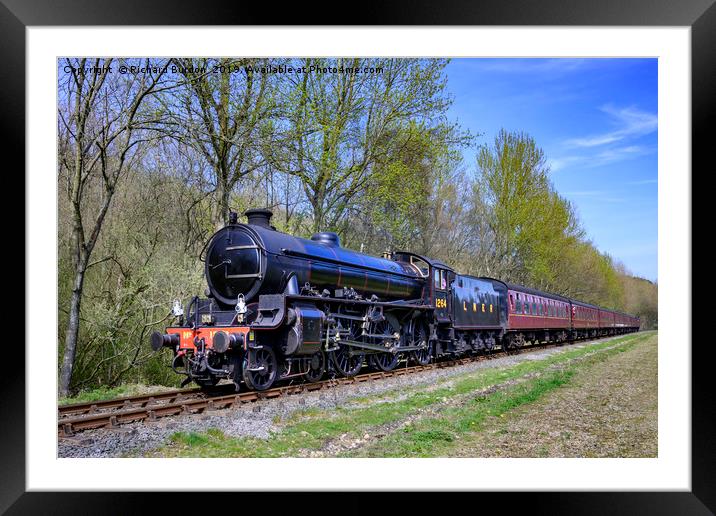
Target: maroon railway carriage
(624, 322)
(585, 319)
(607, 321)
(533, 315)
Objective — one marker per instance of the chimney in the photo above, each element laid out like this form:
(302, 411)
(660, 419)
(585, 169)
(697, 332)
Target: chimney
(259, 217)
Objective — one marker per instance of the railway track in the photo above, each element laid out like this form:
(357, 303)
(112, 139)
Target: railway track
(151, 407)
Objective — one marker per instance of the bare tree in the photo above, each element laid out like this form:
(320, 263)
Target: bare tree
(339, 124)
(100, 127)
(224, 110)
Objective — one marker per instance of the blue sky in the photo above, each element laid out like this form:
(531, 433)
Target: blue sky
(596, 120)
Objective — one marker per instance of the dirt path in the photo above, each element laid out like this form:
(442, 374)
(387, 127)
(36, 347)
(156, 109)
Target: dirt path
(607, 410)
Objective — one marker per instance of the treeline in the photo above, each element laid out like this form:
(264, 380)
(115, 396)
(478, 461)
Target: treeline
(150, 164)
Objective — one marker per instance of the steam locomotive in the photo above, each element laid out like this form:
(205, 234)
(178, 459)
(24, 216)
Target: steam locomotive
(280, 307)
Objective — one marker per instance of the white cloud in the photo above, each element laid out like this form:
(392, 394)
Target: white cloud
(620, 153)
(598, 159)
(562, 162)
(630, 122)
(608, 147)
(643, 182)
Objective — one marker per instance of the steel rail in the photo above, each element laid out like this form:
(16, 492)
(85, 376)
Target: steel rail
(127, 402)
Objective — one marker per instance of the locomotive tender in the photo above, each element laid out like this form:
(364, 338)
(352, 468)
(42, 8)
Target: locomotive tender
(281, 307)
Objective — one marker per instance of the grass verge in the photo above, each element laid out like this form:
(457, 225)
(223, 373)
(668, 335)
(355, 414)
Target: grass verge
(108, 393)
(314, 430)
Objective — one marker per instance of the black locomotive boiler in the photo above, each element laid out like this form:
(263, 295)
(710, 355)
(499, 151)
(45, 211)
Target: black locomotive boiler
(281, 307)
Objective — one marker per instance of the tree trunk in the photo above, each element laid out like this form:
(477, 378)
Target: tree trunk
(221, 213)
(73, 327)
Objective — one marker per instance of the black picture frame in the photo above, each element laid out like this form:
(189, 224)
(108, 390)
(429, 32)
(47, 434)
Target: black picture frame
(16, 15)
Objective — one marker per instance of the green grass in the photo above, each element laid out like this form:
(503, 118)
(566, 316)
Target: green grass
(430, 437)
(106, 393)
(312, 429)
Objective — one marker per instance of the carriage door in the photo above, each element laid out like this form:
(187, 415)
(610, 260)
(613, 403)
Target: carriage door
(441, 296)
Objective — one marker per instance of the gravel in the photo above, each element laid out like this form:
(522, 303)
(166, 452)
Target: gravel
(263, 417)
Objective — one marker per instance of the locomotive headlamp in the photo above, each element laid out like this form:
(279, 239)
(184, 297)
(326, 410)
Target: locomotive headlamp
(240, 304)
(177, 310)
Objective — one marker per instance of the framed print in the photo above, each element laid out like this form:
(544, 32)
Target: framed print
(645, 71)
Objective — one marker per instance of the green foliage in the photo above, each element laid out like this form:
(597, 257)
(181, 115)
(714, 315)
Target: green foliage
(141, 266)
(343, 129)
(534, 234)
(641, 298)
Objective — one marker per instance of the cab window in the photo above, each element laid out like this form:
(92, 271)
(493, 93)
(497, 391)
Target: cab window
(437, 278)
(421, 265)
